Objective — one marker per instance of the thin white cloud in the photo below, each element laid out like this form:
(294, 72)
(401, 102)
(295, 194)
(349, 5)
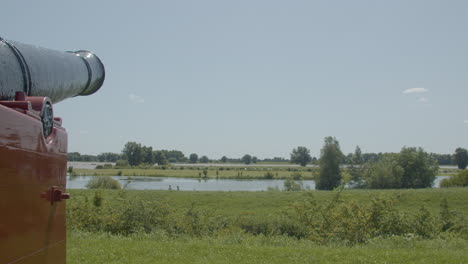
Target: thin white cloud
(136, 98)
(423, 99)
(415, 90)
(465, 121)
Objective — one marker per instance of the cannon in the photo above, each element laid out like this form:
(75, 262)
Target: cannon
(33, 146)
(44, 72)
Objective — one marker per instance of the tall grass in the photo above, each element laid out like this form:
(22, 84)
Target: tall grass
(346, 217)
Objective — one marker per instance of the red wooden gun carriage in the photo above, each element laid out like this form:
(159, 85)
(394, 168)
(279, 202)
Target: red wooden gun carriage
(33, 147)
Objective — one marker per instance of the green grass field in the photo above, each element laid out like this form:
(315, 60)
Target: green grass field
(101, 248)
(261, 203)
(232, 245)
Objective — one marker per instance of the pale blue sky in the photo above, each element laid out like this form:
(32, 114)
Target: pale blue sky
(260, 77)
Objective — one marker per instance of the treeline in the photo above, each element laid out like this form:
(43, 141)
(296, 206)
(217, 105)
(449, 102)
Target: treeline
(163, 157)
(442, 159)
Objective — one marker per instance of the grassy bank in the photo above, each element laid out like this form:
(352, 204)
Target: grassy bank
(205, 172)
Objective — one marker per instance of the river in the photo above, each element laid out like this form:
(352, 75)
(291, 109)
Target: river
(194, 184)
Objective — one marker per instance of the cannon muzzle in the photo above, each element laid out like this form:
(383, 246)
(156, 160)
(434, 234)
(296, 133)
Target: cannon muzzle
(55, 74)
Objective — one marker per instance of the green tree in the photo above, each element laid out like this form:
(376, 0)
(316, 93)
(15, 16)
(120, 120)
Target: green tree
(193, 158)
(385, 173)
(247, 159)
(355, 167)
(419, 168)
(159, 157)
(133, 153)
(73, 156)
(330, 158)
(174, 155)
(254, 159)
(461, 158)
(108, 157)
(147, 155)
(357, 157)
(223, 159)
(204, 159)
(301, 155)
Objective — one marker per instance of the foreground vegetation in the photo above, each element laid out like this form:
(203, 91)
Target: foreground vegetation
(411, 226)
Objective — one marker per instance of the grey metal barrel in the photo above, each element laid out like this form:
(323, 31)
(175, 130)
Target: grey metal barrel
(44, 72)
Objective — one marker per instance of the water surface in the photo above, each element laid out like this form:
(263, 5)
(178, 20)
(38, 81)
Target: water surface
(194, 184)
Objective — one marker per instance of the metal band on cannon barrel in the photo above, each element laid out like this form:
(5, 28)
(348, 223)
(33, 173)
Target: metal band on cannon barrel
(44, 72)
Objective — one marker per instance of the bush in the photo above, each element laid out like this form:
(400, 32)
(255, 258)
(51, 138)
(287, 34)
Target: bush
(291, 185)
(297, 176)
(129, 217)
(122, 163)
(105, 166)
(351, 222)
(103, 182)
(459, 180)
(268, 175)
(336, 221)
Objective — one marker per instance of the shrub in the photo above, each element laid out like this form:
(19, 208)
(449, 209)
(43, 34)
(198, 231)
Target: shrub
(103, 182)
(122, 163)
(459, 180)
(351, 222)
(268, 175)
(336, 221)
(297, 176)
(291, 185)
(97, 200)
(129, 217)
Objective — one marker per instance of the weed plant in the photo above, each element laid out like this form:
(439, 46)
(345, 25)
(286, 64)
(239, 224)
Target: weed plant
(341, 218)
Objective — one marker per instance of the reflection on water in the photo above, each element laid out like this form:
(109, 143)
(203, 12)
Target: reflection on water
(194, 184)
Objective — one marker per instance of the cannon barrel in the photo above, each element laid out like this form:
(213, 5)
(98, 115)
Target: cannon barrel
(55, 74)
